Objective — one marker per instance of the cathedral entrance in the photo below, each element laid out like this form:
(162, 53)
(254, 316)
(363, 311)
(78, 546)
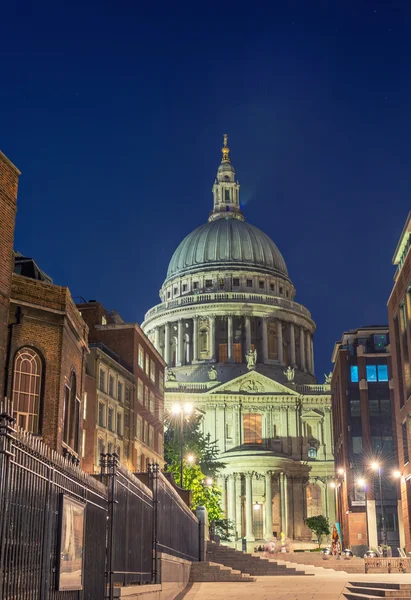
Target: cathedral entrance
(258, 523)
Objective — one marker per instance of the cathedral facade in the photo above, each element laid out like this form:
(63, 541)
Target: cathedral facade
(240, 349)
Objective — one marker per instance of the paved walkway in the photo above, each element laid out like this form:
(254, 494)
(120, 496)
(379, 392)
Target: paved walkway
(317, 587)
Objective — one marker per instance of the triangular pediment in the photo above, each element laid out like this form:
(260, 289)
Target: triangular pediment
(312, 414)
(252, 383)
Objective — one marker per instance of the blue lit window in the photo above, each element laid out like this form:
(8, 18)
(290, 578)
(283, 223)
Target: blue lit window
(382, 372)
(371, 371)
(354, 374)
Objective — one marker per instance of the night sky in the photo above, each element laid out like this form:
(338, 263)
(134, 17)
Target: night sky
(115, 114)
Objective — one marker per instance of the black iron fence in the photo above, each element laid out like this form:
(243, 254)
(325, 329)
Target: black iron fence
(64, 535)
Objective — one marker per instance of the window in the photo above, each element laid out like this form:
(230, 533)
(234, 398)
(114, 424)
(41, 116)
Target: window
(261, 285)
(120, 391)
(354, 373)
(236, 282)
(195, 285)
(126, 419)
(287, 293)
(100, 448)
(405, 442)
(249, 283)
(382, 372)
(252, 424)
(380, 342)
(102, 380)
(184, 287)
(118, 452)
(153, 371)
(161, 381)
(104, 320)
(160, 443)
(203, 340)
(83, 443)
(110, 423)
(151, 436)
(281, 290)
(272, 344)
(208, 283)
(238, 355)
(141, 357)
(226, 195)
(119, 424)
(127, 395)
(152, 403)
(175, 291)
(27, 389)
(71, 415)
(312, 452)
(272, 287)
(371, 372)
(145, 395)
(168, 297)
(110, 447)
(145, 432)
(147, 364)
(111, 386)
(101, 414)
(140, 392)
(222, 353)
(139, 430)
(85, 406)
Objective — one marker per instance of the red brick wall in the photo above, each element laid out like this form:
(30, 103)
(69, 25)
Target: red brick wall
(8, 197)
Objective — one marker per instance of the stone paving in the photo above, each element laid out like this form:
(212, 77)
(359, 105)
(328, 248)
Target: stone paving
(319, 587)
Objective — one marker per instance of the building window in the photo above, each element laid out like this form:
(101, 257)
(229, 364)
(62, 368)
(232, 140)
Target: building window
(161, 381)
(371, 372)
(102, 380)
(83, 444)
(27, 389)
(313, 497)
(151, 436)
(354, 373)
(111, 386)
(222, 353)
(175, 291)
(312, 452)
(145, 395)
(249, 283)
(100, 449)
(287, 293)
(101, 414)
(110, 419)
(252, 424)
(261, 285)
(120, 391)
(140, 391)
(160, 443)
(141, 357)
(152, 403)
(272, 344)
(168, 298)
(118, 452)
(203, 340)
(103, 320)
(110, 447)
(147, 364)
(153, 371)
(382, 372)
(227, 195)
(139, 428)
(281, 291)
(85, 406)
(238, 355)
(145, 432)
(184, 287)
(404, 431)
(71, 415)
(380, 342)
(119, 424)
(209, 283)
(195, 285)
(126, 419)
(127, 395)
(236, 282)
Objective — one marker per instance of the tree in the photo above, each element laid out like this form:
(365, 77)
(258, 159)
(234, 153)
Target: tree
(320, 526)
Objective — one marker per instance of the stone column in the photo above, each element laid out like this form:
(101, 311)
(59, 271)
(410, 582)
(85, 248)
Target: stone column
(308, 346)
(157, 339)
(167, 344)
(286, 503)
(302, 350)
(249, 507)
(230, 346)
(231, 500)
(282, 505)
(292, 345)
(268, 506)
(280, 341)
(180, 342)
(247, 333)
(212, 337)
(265, 340)
(195, 339)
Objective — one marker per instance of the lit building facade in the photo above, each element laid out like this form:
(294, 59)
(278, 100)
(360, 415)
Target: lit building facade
(240, 348)
(399, 315)
(364, 434)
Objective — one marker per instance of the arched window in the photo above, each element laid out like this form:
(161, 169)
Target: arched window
(314, 504)
(203, 340)
(71, 414)
(272, 344)
(27, 392)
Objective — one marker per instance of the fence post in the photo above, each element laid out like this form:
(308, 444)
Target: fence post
(6, 453)
(203, 532)
(47, 541)
(110, 461)
(153, 479)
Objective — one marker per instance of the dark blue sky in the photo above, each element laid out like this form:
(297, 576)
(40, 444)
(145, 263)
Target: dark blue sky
(115, 111)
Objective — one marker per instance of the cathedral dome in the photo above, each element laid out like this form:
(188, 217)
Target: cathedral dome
(227, 242)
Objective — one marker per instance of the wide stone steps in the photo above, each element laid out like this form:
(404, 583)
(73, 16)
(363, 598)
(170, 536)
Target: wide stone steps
(209, 571)
(247, 563)
(355, 565)
(375, 591)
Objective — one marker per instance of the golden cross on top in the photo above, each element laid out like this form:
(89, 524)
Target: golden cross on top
(225, 149)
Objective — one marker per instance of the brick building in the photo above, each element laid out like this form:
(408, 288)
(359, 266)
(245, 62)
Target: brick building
(364, 433)
(43, 339)
(125, 391)
(399, 315)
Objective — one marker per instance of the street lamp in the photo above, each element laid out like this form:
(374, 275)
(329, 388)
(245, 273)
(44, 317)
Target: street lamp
(376, 467)
(179, 410)
(190, 459)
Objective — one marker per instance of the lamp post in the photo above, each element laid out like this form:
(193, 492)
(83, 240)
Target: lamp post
(181, 411)
(377, 467)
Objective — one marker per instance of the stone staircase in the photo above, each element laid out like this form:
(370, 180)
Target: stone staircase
(247, 563)
(209, 571)
(314, 559)
(365, 590)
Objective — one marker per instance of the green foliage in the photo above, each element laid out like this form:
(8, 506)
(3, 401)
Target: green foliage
(320, 526)
(224, 528)
(194, 475)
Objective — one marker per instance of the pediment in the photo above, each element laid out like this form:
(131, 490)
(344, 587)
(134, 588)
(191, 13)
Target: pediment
(312, 414)
(252, 383)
